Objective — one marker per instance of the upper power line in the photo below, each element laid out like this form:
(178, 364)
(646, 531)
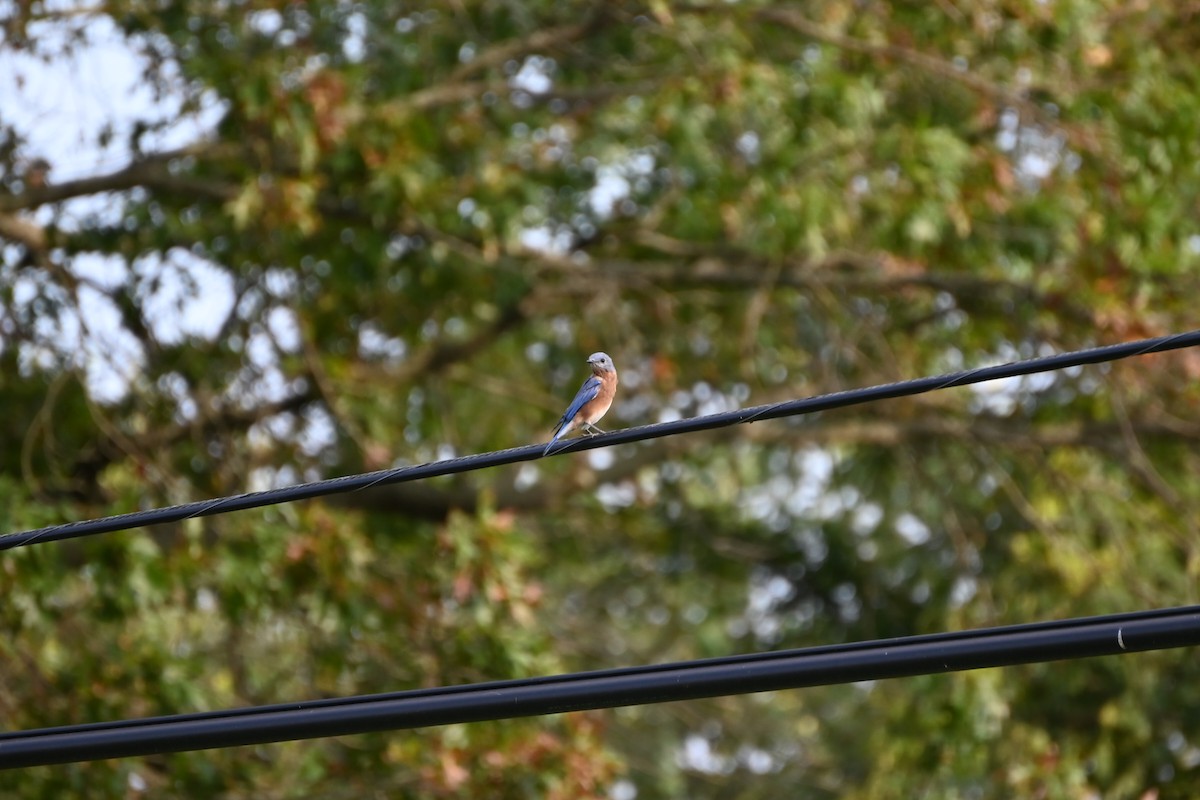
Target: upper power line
(790, 408)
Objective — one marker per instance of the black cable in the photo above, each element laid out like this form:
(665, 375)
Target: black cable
(760, 672)
(352, 483)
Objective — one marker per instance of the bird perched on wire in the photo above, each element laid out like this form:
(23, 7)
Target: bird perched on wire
(591, 401)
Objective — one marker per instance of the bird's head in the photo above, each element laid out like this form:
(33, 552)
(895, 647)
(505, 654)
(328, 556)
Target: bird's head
(601, 363)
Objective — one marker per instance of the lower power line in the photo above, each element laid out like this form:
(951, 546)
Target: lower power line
(759, 672)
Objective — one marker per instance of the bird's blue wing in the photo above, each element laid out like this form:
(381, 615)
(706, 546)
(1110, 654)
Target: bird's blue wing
(587, 392)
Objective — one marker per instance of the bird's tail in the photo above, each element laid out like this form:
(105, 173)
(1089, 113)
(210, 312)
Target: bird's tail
(559, 430)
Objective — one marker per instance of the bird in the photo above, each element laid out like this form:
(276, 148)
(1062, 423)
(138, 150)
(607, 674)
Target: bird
(591, 401)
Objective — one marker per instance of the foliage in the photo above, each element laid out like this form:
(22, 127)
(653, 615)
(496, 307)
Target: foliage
(401, 234)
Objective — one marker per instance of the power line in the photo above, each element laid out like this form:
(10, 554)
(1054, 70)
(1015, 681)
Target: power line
(790, 408)
(1113, 634)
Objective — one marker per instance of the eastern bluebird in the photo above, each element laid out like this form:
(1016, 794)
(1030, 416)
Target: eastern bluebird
(591, 401)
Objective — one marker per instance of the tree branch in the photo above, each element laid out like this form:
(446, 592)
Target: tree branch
(150, 170)
(24, 232)
(546, 39)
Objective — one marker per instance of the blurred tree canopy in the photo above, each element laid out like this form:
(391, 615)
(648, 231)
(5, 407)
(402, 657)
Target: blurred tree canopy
(405, 227)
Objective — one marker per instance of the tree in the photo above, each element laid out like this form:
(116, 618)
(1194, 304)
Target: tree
(400, 236)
